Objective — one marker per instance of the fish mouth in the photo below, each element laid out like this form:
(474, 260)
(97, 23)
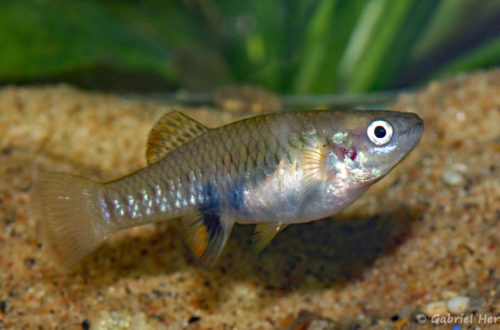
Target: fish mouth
(416, 131)
(410, 137)
(411, 130)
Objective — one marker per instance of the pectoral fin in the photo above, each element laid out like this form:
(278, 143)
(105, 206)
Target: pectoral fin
(207, 234)
(264, 233)
(313, 161)
(170, 132)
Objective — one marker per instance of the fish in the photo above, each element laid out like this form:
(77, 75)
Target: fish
(272, 170)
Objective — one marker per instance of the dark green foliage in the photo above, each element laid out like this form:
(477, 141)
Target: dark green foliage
(304, 46)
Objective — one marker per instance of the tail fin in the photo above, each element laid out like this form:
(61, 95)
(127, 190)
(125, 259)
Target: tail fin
(70, 219)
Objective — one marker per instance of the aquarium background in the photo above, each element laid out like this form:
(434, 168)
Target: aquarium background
(288, 47)
(83, 82)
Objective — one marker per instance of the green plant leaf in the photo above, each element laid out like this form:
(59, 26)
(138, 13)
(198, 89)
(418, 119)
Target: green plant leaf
(327, 34)
(42, 38)
(486, 55)
(303, 46)
(375, 50)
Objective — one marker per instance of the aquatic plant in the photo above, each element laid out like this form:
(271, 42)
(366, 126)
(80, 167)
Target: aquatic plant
(318, 46)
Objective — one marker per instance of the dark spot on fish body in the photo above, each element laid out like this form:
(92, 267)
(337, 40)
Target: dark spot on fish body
(236, 198)
(212, 223)
(354, 153)
(210, 199)
(350, 152)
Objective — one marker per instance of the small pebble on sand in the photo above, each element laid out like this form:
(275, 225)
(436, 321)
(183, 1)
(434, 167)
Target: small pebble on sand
(458, 305)
(435, 308)
(446, 295)
(453, 178)
(460, 167)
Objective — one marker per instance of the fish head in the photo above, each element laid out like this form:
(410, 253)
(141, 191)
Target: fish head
(368, 144)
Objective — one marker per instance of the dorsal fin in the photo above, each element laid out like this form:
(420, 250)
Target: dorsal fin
(170, 132)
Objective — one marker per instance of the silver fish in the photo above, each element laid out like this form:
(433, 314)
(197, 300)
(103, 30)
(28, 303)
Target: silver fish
(271, 170)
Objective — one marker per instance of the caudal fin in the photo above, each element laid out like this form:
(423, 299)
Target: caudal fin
(69, 216)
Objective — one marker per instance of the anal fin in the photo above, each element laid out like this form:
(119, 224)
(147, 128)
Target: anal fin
(264, 234)
(207, 234)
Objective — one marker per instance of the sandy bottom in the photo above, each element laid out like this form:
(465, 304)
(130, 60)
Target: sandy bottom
(428, 232)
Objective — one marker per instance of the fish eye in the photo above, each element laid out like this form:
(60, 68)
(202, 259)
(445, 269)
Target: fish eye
(379, 132)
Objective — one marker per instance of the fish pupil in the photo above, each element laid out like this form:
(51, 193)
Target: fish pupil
(380, 132)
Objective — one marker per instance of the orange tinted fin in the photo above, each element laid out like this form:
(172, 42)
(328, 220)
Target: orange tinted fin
(264, 233)
(206, 234)
(169, 133)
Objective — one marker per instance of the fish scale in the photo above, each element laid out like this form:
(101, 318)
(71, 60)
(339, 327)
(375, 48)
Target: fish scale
(272, 170)
(219, 161)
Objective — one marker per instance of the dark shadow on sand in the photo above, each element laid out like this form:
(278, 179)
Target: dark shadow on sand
(322, 253)
(305, 257)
